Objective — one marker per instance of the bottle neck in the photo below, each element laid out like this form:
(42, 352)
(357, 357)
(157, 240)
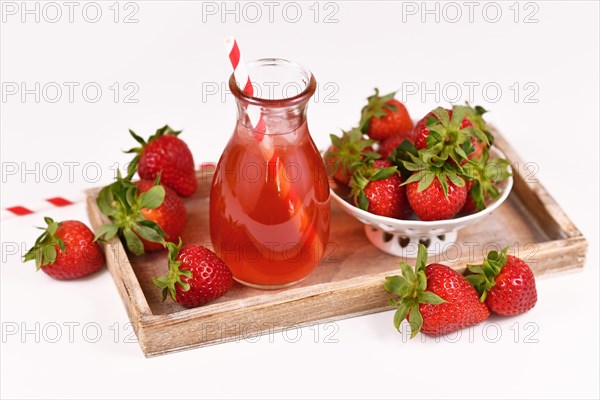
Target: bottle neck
(278, 98)
(278, 120)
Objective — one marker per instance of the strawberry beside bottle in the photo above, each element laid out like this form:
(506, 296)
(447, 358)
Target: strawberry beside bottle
(195, 275)
(145, 214)
(165, 154)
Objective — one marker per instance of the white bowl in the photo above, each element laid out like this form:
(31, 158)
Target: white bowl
(401, 237)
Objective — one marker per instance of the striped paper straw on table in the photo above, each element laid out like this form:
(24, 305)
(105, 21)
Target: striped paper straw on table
(45, 205)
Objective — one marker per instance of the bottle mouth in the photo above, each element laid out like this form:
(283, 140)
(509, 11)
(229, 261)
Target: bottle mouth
(276, 83)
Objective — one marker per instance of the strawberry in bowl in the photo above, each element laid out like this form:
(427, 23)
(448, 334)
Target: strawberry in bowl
(425, 191)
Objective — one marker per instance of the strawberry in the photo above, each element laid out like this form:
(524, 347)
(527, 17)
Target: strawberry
(66, 250)
(377, 188)
(506, 283)
(475, 115)
(196, 275)
(483, 175)
(346, 153)
(145, 214)
(171, 215)
(450, 134)
(165, 154)
(434, 299)
(389, 145)
(469, 207)
(384, 117)
(434, 202)
(435, 190)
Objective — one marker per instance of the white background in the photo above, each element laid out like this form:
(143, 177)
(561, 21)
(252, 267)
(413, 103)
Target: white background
(174, 55)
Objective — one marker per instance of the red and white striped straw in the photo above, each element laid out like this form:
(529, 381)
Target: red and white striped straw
(58, 202)
(240, 73)
(47, 204)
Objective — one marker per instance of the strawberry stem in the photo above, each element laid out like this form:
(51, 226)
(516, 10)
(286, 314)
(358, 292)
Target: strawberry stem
(122, 203)
(409, 290)
(375, 108)
(44, 250)
(483, 276)
(167, 282)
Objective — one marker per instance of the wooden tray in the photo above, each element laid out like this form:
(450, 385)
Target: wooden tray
(347, 283)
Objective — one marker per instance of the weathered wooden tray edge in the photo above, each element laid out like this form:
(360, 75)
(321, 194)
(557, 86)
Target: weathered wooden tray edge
(304, 306)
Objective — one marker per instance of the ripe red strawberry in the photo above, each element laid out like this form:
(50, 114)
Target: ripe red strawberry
(167, 155)
(66, 250)
(384, 117)
(145, 214)
(196, 275)
(469, 207)
(434, 299)
(390, 144)
(435, 202)
(421, 131)
(377, 188)
(455, 137)
(346, 153)
(170, 215)
(506, 283)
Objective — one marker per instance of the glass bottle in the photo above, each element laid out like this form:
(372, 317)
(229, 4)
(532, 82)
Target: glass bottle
(269, 202)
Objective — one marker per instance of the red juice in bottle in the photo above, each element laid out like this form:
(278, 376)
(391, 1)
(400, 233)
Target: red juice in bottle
(269, 203)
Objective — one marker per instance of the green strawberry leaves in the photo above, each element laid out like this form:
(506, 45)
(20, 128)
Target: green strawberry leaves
(485, 175)
(409, 290)
(442, 117)
(447, 140)
(383, 173)
(429, 298)
(106, 231)
(44, 250)
(426, 172)
(400, 315)
(415, 320)
(403, 153)
(137, 138)
(475, 114)
(483, 277)
(349, 151)
(133, 242)
(375, 108)
(167, 282)
(122, 203)
(151, 198)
